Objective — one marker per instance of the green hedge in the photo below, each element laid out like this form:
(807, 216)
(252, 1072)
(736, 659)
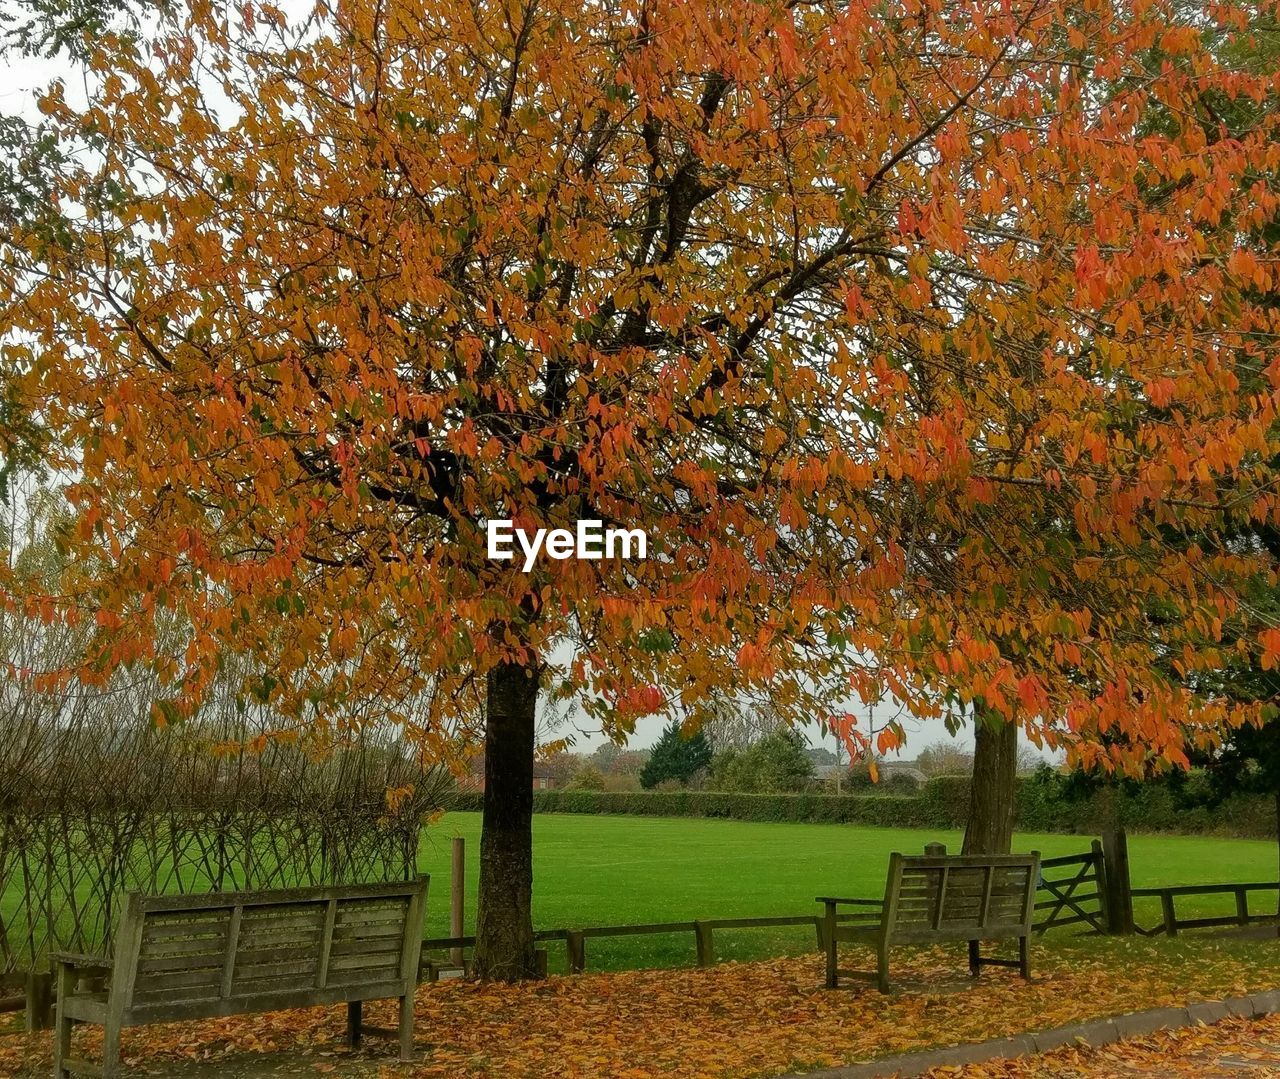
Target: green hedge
(1042, 806)
(884, 809)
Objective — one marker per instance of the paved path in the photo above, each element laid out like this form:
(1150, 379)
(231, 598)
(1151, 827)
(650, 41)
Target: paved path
(1234, 1049)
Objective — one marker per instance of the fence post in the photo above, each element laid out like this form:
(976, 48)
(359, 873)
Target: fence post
(457, 897)
(1166, 911)
(39, 994)
(1118, 898)
(1104, 891)
(1242, 906)
(576, 947)
(706, 944)
(935, 850)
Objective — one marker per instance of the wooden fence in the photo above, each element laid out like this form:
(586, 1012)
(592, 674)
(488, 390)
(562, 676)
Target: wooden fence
(1170, 923)
(1074, 886)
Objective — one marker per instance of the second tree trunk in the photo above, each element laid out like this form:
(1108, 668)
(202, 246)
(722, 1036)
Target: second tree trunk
(995, 768)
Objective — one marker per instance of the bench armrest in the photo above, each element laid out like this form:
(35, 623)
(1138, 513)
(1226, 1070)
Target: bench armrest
(853, 902)
(82, 962)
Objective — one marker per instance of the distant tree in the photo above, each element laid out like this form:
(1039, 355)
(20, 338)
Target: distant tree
(821, 755)
(562, 766)
(1028, 760)
(944, 759)
(630, 762)
(676, 756)
(777, 762)
(737, 724)
(605, 756)
(587, 778)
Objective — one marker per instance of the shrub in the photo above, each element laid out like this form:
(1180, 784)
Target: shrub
(777, 762)
(587, 778)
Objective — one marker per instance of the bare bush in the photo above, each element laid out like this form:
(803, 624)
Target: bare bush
(97, 801)
(94, 808)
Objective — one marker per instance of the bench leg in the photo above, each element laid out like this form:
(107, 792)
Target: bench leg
(61, 1046)
(406, 1027)
(354, 1017)
(829, 939)
(1024, 957)
(882, 967)
(111, 1050)
(66, 983)
(974, 965)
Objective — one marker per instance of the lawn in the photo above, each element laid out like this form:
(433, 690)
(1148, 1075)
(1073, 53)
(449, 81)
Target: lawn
(601, 870)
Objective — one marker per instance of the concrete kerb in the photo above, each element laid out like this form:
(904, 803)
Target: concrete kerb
(1094, 1033)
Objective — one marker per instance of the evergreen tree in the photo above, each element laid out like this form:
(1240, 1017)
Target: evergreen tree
(676, 756)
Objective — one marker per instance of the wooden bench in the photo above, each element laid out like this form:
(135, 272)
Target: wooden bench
(934, 898)
(200, 956)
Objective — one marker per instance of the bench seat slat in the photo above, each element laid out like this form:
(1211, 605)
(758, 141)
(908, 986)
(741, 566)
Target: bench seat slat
(184, 961)
(175, 946)
(284, 953)
(266, 1001)
(303, 973)
(369, 932)
(188, 930)
(362, 922)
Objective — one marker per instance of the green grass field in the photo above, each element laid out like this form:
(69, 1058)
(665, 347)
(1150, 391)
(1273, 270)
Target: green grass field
(600, 870)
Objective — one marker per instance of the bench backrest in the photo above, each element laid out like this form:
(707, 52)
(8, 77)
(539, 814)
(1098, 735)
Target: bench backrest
(224, 953)
(948, 897)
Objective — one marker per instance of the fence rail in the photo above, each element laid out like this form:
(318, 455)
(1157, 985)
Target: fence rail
(1170, 923)
(703, 930)
(13, 992)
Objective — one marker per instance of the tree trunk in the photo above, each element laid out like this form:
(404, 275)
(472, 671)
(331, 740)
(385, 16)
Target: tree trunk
(504, 918)
(989, 829)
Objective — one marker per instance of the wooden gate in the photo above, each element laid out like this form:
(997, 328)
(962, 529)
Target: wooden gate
(1073, 890)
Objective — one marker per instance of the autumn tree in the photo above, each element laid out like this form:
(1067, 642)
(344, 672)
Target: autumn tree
(905, 336)
(1223, 121)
